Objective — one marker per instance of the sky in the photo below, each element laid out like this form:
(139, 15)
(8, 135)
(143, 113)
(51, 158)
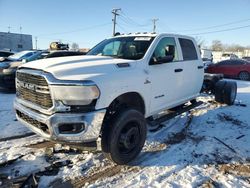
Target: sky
(87, 22)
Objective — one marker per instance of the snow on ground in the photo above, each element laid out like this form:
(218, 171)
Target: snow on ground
(8, 122)
(208, 147)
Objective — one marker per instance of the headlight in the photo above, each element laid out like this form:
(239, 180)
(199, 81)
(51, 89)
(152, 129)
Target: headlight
(75, 95)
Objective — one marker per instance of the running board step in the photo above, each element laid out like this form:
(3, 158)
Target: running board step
(156, 123)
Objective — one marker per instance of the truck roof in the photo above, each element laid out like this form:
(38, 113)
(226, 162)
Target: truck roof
(146, 34)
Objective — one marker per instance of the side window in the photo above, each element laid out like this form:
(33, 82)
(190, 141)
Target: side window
(237, 62)
(27, 55)
(166, 47)
(188, 49)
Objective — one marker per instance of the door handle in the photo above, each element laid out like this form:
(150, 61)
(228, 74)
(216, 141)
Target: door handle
(200, 67)
(178, 70)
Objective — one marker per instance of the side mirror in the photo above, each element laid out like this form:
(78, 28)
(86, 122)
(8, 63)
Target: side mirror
(24, 60)
(153, 61)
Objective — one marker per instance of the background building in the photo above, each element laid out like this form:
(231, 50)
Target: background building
(15, 42)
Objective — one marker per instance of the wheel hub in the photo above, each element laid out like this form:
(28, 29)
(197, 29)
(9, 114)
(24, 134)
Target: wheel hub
(129, 139)
(244, 76)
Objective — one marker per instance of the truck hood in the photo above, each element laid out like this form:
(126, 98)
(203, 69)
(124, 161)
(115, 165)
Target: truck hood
(79, 67)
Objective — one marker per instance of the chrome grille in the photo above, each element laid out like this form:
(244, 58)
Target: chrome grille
(33, 88)
(32, 79)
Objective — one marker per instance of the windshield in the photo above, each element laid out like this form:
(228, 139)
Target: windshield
(133, 48)
(21, 55)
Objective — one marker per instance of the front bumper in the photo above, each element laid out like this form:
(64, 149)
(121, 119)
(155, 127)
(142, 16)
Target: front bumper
(47, 126)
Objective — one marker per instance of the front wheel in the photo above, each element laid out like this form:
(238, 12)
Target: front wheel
(125, 135)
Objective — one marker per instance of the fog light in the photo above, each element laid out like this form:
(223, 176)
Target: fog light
(71, 128)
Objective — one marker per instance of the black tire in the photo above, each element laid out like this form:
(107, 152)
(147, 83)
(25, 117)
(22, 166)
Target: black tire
(244, 75)
(124, 137)
(219, 91)
(230, 92)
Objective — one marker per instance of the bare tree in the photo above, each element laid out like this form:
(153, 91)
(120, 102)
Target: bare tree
(74, 46)
(200, 41)
(235, 48)
(217, 45)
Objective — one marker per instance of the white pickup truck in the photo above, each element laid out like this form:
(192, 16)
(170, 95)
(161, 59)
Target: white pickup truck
(104, 99)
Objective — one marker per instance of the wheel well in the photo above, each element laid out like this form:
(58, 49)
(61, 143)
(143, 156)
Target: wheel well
(128, 100)
(243, 71)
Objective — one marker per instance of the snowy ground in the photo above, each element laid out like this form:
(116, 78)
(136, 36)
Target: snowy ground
(207, 147)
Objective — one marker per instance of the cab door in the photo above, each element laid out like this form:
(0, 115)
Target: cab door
(166, 78)
(193, 69)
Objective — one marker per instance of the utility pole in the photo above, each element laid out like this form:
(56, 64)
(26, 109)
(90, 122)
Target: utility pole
(154, 23)
(114, 11)
(21, 36)
(9, 29)
(36, 42)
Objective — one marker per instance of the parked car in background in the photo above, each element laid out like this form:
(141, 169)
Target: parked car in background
(4, 54)
(227, 56)
(235, 68)
(8, 68)
(18, 56)
(247, 58)
(50, 54)
(40, 54)
(207, 57)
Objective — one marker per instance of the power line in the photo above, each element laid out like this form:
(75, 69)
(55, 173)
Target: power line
(164, 26)
(122, 28)
(216, 26)
(223, 30)
(131, 21)
(125, 21)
